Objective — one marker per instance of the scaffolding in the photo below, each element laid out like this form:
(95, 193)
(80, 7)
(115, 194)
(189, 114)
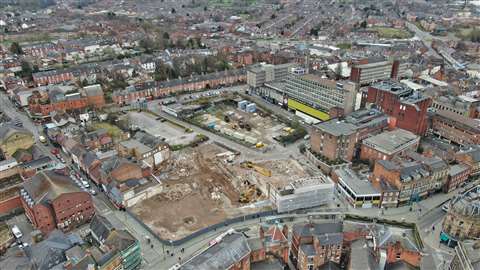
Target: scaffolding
(303, 193)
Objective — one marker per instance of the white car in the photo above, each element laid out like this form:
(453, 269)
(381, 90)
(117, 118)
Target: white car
(93, 192)
(446, 206)
(16, 232)
(85, 184)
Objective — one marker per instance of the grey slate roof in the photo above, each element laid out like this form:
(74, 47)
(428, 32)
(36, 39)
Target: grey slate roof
(101, 227)
(231, 249)
(48, 185)
(51, 251)
(307, 229)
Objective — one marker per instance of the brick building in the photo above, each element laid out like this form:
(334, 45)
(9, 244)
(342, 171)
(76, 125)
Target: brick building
(471, 157)
(51, 200)
(411, 178)
(150, 90)
(43, 103)
(341, 138)
(314, 245)
(406, 107)
(388, 144)
(457, 175)
(10, 183)
(456, 128)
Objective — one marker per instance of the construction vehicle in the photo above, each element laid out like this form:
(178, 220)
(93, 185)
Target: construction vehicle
(261, 170)
(250, 193)
(259, 145)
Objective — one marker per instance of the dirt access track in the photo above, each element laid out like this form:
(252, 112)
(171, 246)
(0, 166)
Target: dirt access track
(198, 192)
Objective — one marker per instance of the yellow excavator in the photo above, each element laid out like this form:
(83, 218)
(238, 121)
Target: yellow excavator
(257, 168)
(249, 194)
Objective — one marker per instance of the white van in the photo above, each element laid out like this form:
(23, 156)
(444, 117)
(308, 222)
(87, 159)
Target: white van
(16, 232)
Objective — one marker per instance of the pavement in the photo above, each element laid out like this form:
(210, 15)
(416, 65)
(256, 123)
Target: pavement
(426, 214)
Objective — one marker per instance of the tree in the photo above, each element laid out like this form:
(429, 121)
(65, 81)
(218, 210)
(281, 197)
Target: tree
(26, 70)
(166, 35)
(363, 24)
(173, 11)
(205, 8)
(339, 70)
(16, 48)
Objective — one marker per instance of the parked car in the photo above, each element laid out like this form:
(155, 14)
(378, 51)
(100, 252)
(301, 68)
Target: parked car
(85, 184)
(16, 232)
(446, 206)
(93, 192)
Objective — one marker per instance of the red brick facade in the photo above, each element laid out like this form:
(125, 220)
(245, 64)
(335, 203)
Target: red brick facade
(67, 105)
(408, 115)
(66, 212)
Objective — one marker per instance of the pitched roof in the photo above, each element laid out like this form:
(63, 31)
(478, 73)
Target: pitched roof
(120, 240)
(48, 185)
(222, 255)
(101, 228)
(310, 229)
(8, 130)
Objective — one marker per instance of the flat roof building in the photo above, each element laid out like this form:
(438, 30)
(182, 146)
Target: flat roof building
(302, 193)
(319, 97)
(407, 108)
(386, 145)
(340, 138)
(358, 191)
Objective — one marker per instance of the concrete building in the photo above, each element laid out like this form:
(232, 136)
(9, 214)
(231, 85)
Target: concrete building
(51, 200)
(456, 128)
(320, 98)
(365, 72)
(341, 138)
(359, 192)
(145, 148)
(259, 75)
(388, 144)
(462, 221)
(462, 105)
(467, 256)
(407, 108)
(302, 194)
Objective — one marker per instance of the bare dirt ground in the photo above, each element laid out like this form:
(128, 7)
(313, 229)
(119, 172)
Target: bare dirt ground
(201, 189)
(197, 193)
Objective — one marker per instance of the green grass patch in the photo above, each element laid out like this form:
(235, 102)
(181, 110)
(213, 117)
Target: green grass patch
(112, 130)
(393, 33)
(344, 46)
(468, 33)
